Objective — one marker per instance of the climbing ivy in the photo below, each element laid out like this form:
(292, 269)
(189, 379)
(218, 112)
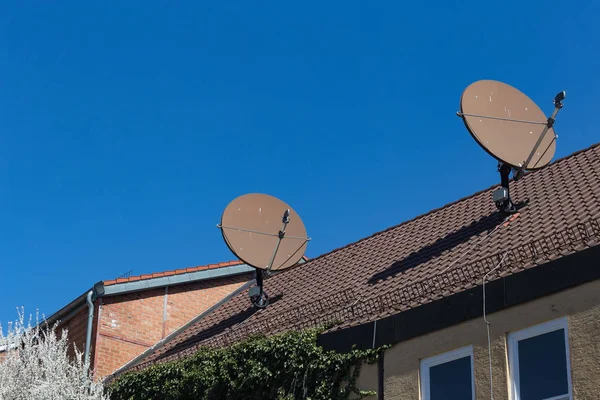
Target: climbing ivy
(283, 367)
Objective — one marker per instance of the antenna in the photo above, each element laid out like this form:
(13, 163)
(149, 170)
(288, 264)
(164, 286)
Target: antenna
(511, 128)
(265, 233)
(126, 274)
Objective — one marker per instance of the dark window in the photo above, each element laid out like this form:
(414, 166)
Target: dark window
(451, 380)
(540, 362)
(448, 376)
(543, 366)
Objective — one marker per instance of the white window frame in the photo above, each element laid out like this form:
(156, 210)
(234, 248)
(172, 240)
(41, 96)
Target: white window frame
(429, 362)
(513, 354)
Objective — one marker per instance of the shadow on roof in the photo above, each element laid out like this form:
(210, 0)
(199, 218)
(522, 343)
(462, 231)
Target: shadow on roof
(217, 328)
(437, 248)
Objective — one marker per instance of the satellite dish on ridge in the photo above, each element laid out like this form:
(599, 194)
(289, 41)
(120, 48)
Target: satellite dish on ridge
(265, 233)
(511, 128)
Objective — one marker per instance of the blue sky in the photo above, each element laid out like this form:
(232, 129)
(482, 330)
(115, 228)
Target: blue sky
(127, 128)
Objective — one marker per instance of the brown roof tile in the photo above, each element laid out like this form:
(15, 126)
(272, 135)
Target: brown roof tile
(434, 255)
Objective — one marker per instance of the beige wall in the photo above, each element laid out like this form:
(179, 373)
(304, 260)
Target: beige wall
(580, 304)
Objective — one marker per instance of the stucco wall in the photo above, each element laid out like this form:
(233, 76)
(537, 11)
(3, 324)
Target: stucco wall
(581, 305)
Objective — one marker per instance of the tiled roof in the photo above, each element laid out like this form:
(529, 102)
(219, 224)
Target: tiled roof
(434, 255)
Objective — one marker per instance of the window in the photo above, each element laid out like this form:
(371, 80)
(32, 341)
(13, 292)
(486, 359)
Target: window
(539, 362)
(448, 376)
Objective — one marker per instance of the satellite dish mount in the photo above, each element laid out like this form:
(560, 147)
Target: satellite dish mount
(258, 297)
(500, 119)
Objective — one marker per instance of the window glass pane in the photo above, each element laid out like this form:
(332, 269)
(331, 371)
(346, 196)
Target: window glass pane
(451, 380)
(543, 366)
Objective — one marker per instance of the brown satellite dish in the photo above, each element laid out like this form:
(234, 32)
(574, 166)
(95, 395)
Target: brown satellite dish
(507, 124)
(265, 233)
(511, 128)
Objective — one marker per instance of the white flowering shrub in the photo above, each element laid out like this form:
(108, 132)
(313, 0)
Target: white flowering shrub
(35, 364)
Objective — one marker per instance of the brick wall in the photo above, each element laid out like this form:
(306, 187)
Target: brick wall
(76, 330)
(130, 323)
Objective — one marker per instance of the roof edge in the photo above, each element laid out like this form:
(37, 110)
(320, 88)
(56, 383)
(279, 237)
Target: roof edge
(181, 271)
(189, 277)
(73, 306)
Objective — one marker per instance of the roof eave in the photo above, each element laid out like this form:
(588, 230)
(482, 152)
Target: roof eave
(503, 293)
(190, 277)
(68, 310)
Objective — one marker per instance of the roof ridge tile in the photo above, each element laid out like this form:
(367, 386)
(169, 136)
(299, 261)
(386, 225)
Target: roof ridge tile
(178, 271)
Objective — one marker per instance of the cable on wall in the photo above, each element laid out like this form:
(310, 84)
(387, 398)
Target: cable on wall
(487, 324)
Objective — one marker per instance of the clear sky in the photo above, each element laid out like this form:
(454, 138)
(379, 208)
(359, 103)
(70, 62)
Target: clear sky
(127, 127)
